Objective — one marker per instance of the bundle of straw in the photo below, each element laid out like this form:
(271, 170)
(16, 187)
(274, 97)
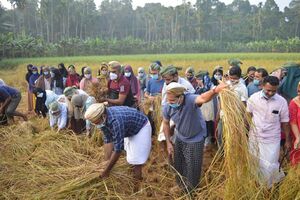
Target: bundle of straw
(98, 90)
(154, 109)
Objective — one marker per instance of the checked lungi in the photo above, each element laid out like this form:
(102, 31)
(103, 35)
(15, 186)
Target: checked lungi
(188, 163)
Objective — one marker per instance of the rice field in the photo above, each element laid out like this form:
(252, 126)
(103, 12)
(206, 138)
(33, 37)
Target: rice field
(36, 163)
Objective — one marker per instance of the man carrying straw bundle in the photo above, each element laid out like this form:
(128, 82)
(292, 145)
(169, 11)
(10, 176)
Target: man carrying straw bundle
(190, 132)
(269, 113)
(128, 129)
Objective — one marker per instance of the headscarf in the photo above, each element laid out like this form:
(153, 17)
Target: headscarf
(169, 70)
(100, 75)
(141, 69)
(57, 78)
(176, 89)
(50, 97)
(133, 80)
(94, 112)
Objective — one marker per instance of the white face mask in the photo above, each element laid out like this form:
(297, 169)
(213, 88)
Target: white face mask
(217, 77)
(88, 76)
(52, 74)
(127, 74)
(113, 76)
(40, 95)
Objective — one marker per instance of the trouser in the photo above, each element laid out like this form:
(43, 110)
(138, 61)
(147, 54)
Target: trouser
(188, 163)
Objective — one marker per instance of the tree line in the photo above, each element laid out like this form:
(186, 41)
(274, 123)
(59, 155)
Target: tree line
(77, 27)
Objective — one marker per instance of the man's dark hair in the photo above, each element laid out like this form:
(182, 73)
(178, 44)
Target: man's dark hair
(235, 71)
(272, 80)
(262, 71)
(252, 68)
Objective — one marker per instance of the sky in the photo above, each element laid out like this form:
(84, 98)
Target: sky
(135, 3)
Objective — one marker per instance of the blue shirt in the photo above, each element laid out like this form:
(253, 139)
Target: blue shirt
(252, 89)
(6, 91)
(190, 125)
(154, 87)
(121, 122)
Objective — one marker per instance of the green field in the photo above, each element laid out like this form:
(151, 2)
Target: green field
(16, 68)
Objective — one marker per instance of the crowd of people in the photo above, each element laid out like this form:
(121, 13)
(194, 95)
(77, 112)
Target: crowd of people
(190, 111)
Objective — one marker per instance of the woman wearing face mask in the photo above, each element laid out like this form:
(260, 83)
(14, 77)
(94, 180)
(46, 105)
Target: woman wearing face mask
(57, 83)
(190, 131)
(217, 75)
(190, 76)
(73, 78)
(103, 75)
(87, 81)
(142, 77)
(44, 81)
(134, 83)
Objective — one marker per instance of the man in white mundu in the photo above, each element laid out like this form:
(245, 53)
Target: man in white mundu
(269, 113)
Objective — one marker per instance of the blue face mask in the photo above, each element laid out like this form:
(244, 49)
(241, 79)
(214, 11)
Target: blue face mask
(154, 76)
(256, 82)
(46, 73)
(34, 72)
(175, 105)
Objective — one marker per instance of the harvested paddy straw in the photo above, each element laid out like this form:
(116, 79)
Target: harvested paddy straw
(153, 109)
(41, 164)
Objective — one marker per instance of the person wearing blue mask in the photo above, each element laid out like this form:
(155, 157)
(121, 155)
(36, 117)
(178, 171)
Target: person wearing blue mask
(255, 86)
(153, 90)
(190, 132)
(156, 83)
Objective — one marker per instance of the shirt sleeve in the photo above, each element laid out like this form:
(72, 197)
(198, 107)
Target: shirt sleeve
(284, 114)
(166, 113)
(164, 95)
(293, 109)
(4, 93)
(118, 133)
(62, 122)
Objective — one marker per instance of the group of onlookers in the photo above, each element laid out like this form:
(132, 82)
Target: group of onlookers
(190, 110)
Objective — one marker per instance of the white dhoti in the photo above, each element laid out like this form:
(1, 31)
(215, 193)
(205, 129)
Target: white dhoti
(268, 156)
(138, 147)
